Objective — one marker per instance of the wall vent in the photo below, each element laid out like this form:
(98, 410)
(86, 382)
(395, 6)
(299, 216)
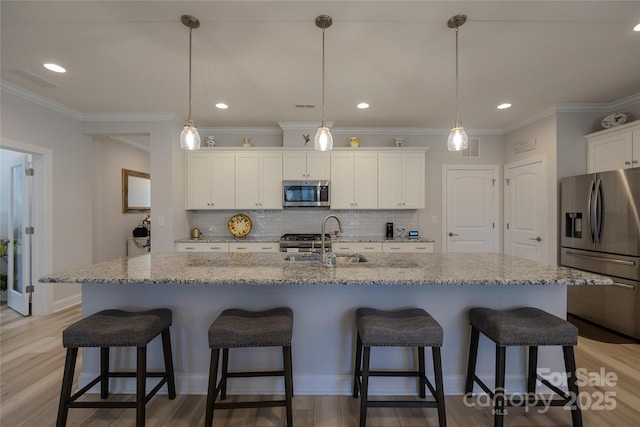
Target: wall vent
(473, 150)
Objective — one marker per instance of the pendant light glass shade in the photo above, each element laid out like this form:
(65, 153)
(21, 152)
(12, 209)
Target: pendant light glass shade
(458, 139)
(323, 140)
(189, 137)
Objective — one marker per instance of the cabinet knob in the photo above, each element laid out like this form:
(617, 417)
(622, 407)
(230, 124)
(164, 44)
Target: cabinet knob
(634, 162)
(627, 163)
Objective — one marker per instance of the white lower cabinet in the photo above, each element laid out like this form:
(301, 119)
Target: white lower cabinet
(202, 247)
(407, 247)
(356, 247)
(254, 247)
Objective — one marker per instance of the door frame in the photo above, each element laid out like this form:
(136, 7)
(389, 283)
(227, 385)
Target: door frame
(42, 301)
(545, 228)
(496, 201)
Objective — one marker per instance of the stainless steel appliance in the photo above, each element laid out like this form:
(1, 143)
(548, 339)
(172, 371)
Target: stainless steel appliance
(306, 193)
(304, 243)
(600, 215)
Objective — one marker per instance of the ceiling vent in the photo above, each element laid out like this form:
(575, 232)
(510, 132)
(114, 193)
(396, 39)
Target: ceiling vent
(305, 106)
(473, 150)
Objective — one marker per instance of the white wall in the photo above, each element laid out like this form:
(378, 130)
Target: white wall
(111, 226)
(71, 213)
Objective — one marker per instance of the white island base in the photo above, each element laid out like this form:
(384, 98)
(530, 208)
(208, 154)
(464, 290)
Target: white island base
(323, 332)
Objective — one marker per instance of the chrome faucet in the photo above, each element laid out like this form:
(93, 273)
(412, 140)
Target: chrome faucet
(324, 222)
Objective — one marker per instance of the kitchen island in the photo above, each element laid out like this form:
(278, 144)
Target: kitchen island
(198, 286)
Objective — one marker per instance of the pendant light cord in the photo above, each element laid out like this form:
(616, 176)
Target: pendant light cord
(190, 31)
(323, 119)
(457, 117)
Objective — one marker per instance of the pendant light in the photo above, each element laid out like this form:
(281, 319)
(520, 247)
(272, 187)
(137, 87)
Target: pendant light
(458, 139)
(323, 140)
(189, 137)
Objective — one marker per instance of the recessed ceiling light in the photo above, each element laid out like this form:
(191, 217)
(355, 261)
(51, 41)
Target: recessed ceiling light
(222, 105)
(504, 106)
(362, 105)
(636, 28)
(55, 68)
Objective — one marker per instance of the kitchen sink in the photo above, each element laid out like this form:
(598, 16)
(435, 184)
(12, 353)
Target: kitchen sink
(341, 259)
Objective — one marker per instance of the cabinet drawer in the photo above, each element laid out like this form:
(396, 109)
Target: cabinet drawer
(202, 247)
(407, 247)
(357, 247)
(253, 247)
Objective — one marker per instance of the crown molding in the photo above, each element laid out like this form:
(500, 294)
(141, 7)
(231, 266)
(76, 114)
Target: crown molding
(128, 117)
(239, 130)
(27, 95)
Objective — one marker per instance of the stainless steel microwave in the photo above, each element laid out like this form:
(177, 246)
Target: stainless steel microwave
(305, 193)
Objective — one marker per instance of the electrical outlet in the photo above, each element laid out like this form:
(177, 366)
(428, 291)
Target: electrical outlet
(401, 229)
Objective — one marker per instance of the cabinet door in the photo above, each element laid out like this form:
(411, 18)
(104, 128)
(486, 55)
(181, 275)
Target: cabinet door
(270, 180)
(294, 165)
(253, 247)
(365, 180)
(610, 152)
(413, 180)
(407, 247)
(202, 247)
(318, 166)
(222, 181)
(390, 181)
(247, 181)
(342, 180)
(356, 247)
(198, 181)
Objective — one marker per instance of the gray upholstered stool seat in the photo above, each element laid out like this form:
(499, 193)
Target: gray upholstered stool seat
(117, 328)
(412, 327)
(531, 327)
(241, 328)
(523, 326)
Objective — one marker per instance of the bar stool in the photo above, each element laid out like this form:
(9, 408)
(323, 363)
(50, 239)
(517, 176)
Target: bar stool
(412, 327)
(236, 328)
(530, 327)
(117, 328)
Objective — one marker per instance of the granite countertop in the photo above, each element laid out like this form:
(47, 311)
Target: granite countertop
(264, 269)
(271, 239)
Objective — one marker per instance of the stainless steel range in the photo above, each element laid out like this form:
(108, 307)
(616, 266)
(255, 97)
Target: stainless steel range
(303, 243)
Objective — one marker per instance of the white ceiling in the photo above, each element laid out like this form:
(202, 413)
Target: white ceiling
(264, 57)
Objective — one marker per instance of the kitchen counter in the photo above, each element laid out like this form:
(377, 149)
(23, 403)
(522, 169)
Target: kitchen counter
(198, 286)
(263, 269)
(271, 239)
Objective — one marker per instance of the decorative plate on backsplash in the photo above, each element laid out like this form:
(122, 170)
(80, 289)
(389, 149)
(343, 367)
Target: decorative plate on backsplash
(239, 225)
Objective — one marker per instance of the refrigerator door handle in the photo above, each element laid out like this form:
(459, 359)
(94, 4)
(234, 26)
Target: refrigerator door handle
(591, 211)
(597, 205)
(603, 259)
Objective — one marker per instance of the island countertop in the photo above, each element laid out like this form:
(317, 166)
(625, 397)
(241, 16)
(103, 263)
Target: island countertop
(262, 269)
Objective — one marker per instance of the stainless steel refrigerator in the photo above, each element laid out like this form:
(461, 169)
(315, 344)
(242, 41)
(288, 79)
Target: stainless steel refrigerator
(600, 216)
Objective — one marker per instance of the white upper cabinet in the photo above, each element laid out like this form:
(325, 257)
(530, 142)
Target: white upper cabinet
(354, 180)
(258, 180)
(616, 148)
(306, 165)
(209, 180)
(401, 180)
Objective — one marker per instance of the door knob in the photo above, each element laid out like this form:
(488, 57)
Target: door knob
(537, 239)
(452, 234)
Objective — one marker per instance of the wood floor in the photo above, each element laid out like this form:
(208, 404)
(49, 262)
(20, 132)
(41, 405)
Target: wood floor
(32, 359)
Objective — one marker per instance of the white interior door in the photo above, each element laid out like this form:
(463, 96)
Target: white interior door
(471, 206)
(19, 251)
(525, 207)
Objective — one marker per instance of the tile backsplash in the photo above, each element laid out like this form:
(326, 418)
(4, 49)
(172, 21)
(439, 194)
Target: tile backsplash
(266, 223)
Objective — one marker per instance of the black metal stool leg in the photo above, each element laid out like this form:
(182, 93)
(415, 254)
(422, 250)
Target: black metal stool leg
(422, 385)
(570, 366)
(288, 384)
(104, 372)
(437, 369)
(532, 375)
(67, 383)
(225, 371)
(141, 385)
(168, 363)
(212, 389)
(499, 406)
(473, 356)
(357, 369)
(364, 391)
